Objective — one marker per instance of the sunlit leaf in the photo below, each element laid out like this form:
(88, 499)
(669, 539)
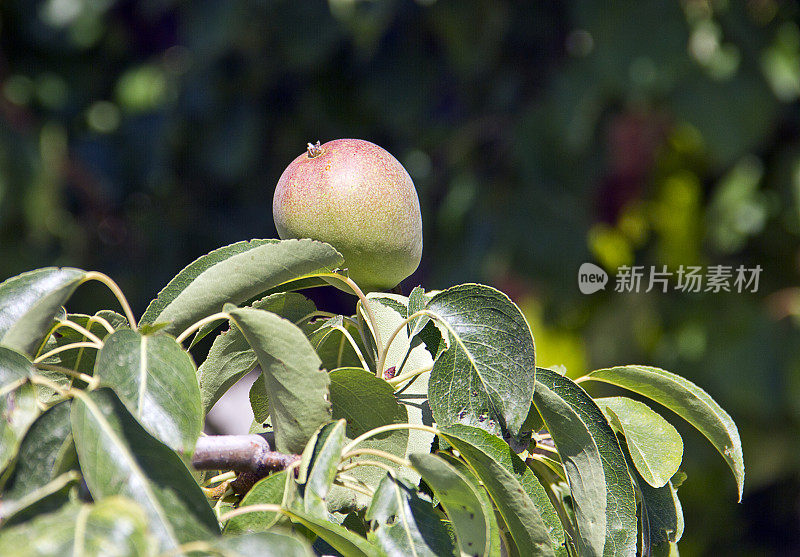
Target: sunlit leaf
(366, 402)
(486, 377)
(520, 498)
(231, 357)
(43, 452)
(118, 457)
(296, 386)
(18, 410)
(602, 491)
(30, 301)
(156, 379)
(263, 544)
(267, 490)
(318, 466)
(687, 400)
(461, 502)
(236, 273)
(655, 446)
(405, 524)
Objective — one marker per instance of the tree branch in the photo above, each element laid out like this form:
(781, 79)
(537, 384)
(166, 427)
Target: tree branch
(249, 455)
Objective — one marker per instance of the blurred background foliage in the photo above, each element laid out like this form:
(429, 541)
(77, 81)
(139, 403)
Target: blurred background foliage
(138, 135)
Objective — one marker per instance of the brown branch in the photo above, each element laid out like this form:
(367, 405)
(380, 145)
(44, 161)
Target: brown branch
(249, 455)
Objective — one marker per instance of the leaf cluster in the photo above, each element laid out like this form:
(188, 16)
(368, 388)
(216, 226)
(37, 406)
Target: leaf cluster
(418, 425)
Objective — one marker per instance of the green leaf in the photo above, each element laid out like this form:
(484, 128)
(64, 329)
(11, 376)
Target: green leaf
(602, 490)
(262, 544)
(497, 538)
(318, 466)
(331, 344)
(259, 401)
(486, 377)
(366, 402)
(406, 354)
(114, 524)
(42, 452)
(118, 457)
(15, 369)
(460, 501)
(656, 448)
(296, 386)
(405, 524)
(522, 501)
(45, 498)
(231, 357)
(156, 380)
(80, 359)
(236, 273)
(18, 410)
(30, 301)
(663, 514)
(341, 539)
(266, 490)
(687, 400)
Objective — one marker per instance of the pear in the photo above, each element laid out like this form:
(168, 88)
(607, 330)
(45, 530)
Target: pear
(357, 197)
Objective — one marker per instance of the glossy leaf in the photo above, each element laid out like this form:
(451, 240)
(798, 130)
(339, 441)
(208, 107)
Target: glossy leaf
(602, 490)
(486, 376)
(156, 380)
(30, 301)
(460, 501)
(115, 525)
(42, 452)
(118, 457)
(18, 410)
(296, 386)
(655, 446)
(234, 274)
(263, 544)
(687, 400)
(520, 498)
(267, 490)
(366, 402)
(231, 357)
(405, 524)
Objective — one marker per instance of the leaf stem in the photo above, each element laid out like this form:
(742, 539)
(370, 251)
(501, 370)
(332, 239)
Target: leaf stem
(394, 381)
(375, 452)
(385, 352)
(115, 289)
(196, 325)
(384, 428)
(357, 463)
(75, 327)
(313, 314)
(60, 349)
(364, 302)
(45, 382)
(221, 477)
(93, 382)
(102, 321)
(355, 487)
(346, 334)
(261, 508)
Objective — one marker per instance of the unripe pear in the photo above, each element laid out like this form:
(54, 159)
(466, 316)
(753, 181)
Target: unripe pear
(357, 197)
